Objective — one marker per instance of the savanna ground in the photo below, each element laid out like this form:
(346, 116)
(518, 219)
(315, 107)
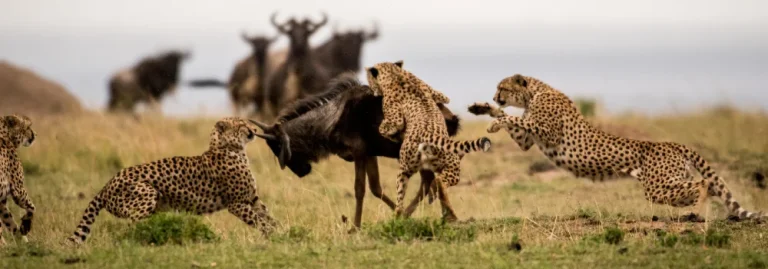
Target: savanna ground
(510, 217)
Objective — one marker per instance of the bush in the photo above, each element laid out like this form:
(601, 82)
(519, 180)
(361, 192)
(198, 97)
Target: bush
(164, 228)
(421, 229)
(587, 107)
(613, 235)
(717, 239)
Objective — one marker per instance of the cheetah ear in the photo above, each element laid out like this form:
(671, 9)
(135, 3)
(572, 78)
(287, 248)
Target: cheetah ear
(399, 63)
(520, 80)
(221, 126)
(11, 121)
(374, 72)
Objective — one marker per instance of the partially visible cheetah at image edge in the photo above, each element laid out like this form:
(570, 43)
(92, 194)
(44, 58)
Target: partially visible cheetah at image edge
(553, 122)
(218, 179)
(15, 131)
(410, 108)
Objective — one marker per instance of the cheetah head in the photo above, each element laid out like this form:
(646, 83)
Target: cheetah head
(232, 132)
(513, 91)
(16, 130)
(384, 74)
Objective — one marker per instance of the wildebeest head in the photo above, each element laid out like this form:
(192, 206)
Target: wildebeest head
(298, 31)
(280, 144)
(350, 45)
(259, 44)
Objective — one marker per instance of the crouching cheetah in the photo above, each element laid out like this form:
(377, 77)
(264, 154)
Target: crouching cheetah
(219, 178)
(553, 122)
(410, 108)
(15, 131)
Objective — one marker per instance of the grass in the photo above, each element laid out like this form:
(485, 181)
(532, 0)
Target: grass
(509, 218)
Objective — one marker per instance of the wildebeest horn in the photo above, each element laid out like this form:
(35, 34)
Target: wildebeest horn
(322, 22)
(375, 34)
(285, 147)
(267, 136)
(263, 127)
(245, 36)
(280, 26)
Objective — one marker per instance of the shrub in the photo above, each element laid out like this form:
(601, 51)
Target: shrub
(174, 228)
(421, 229)
(717, 239)
(613, 235)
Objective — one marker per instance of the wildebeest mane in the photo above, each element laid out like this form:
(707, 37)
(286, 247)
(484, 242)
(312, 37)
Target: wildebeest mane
(336, 87)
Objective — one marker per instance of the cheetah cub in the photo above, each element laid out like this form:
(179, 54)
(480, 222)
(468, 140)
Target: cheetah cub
(553, 122)
(218, 179)
(410, 108)
(15, 131)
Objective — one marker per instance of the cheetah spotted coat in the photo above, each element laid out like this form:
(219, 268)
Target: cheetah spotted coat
(218, 179)
(410, 108)
(552, 121)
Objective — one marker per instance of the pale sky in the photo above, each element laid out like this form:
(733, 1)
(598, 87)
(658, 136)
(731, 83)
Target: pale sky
(149, 15)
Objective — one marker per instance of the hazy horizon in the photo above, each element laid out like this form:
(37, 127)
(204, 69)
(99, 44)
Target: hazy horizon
(642, 56)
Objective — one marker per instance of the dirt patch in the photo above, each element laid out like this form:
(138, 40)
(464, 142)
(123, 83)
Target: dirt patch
(23, 91)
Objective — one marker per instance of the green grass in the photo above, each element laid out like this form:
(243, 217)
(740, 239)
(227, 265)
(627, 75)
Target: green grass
(508, 217)
(170, 228)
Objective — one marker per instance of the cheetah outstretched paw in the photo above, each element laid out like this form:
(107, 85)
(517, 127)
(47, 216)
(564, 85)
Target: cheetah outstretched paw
(480, 108)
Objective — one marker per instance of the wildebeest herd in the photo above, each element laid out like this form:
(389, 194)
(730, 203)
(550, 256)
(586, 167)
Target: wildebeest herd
(261, 84)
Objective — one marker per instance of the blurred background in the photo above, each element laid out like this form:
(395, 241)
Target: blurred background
(644, 56)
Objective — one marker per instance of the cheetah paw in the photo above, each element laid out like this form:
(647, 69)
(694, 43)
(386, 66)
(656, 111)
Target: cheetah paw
(493, 127)
(480, 108)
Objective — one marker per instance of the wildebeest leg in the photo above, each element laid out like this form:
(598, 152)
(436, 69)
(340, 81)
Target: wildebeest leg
(372, 167)
(360, 165)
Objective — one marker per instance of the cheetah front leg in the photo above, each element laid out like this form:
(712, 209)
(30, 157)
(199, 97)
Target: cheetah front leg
(393, 122)
(7, 219)
(251, 216)
(21, 198)
(523, 139)
(527, 126)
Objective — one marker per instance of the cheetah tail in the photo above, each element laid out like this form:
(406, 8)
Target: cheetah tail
(461, 147)
(89, 216)
(716, 184)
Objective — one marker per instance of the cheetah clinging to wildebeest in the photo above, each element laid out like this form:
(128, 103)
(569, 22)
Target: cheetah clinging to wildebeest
(219, 178)
(553, 122)
(410, 109)
(15, 131)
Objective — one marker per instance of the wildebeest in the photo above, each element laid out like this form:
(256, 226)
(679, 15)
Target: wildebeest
(147, 82)
(300, 75)
(248, 79)
(342, 52)
(344, 121)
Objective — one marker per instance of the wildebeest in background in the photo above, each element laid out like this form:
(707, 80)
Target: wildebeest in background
(344, 120)
(342, 53)
(247, 83)
(300, 75)
(147, 82)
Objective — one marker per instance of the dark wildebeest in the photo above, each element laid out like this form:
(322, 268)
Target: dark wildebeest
(343, 51)
(247, 82)
(344, 120)
(300, 75)
(147, 82)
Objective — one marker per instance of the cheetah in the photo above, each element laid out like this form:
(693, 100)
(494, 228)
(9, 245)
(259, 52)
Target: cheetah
(553, 122)
(410, 109)
(219, 178)
(15, 131)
